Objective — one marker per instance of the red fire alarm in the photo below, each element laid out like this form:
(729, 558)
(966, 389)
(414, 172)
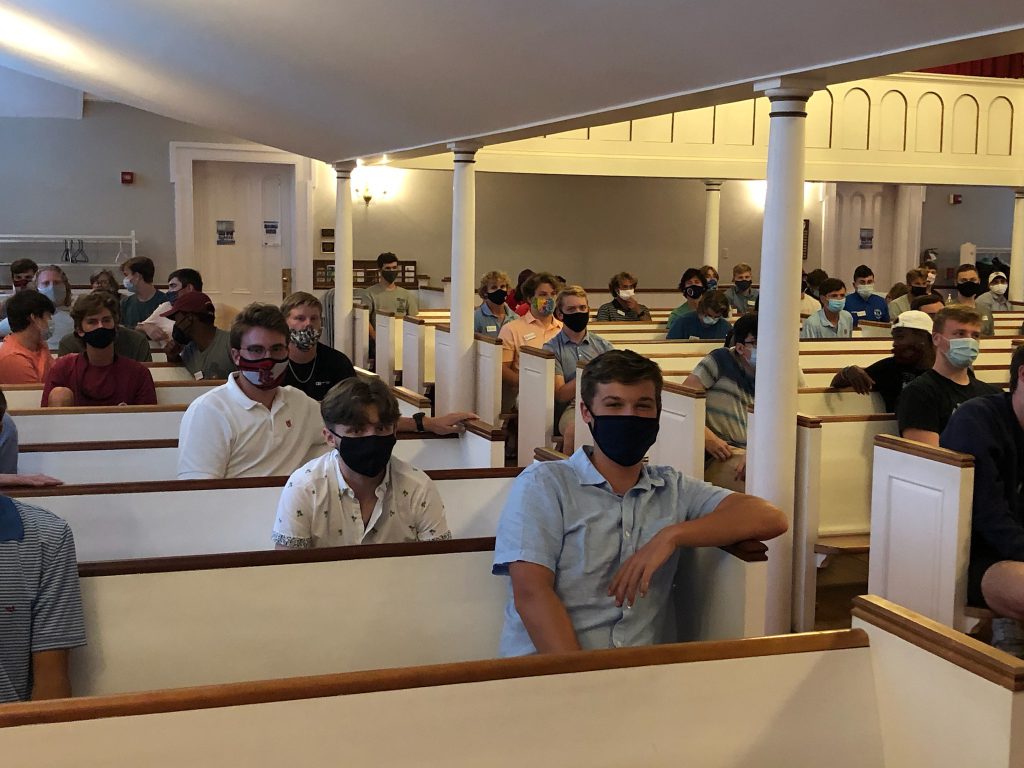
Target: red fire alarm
(127, 177)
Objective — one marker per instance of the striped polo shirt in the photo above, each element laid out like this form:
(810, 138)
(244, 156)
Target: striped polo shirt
(40, 602)
(730, 389)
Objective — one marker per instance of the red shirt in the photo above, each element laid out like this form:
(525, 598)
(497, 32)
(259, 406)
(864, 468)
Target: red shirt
(124, 382)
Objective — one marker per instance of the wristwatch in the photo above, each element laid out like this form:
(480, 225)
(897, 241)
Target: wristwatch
(418, 418)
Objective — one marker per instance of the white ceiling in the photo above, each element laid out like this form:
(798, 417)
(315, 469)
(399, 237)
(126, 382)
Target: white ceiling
(336, 79)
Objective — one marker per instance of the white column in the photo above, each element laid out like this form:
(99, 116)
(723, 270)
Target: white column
(712, 220)
(343, 254)
(461, 394)
(772, 448)
(906, 245)
(1017, 248)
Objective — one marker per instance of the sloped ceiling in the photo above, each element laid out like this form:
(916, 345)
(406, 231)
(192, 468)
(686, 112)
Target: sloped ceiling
(336, 79)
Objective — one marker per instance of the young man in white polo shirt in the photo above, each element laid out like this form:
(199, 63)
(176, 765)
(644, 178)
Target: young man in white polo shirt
(251, 426)
(358, 493)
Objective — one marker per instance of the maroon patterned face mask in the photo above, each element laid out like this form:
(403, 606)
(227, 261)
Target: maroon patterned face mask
(265, 373)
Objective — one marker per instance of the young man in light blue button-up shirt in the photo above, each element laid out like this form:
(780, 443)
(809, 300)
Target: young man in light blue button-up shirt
(590, 543)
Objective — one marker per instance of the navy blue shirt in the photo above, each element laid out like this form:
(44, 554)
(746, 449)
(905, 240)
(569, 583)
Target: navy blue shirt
(873, 308)
(987, 428)
(691, 325)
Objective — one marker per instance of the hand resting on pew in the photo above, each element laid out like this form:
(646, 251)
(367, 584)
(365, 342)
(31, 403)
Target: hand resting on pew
(29, 480)
(856, 378)
(449, 424)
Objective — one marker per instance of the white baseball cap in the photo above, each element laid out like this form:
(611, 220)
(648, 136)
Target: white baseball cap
(915, 319)
(994, 275)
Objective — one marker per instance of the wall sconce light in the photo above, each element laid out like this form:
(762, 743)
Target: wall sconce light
(371, 182)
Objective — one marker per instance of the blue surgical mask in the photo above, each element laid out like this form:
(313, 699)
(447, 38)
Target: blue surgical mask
(127, 283)
(708, 320)
(753, 357)
(962, 352)
(712, 283)
(835, 305)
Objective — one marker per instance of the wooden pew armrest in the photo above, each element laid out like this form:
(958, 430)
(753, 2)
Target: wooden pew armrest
(749, 551)
(845, 544)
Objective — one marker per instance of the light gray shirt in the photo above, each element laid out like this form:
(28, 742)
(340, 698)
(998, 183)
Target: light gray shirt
(214, 362)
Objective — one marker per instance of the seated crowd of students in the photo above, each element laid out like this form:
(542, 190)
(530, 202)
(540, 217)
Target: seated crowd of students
(589, 543)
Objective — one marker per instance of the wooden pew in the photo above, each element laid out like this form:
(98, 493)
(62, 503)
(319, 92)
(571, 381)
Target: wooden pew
(28, 396)
(388, 347)
(169, 372)
(833, 496)
(417, 354)
(360, 336)
(131, 520)
(145, 458)
(826, 401)
(921, 528)
(263, 613)
(488, 378)
(903, 679)
(74, 425)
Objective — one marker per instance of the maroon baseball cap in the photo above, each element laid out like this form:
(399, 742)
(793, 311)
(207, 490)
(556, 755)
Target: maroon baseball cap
(190, 301)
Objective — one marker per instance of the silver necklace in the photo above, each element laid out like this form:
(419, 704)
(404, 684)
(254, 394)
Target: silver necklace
(312, 370)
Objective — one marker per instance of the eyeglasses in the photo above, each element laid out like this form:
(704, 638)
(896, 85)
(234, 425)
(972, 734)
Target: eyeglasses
(275, 351)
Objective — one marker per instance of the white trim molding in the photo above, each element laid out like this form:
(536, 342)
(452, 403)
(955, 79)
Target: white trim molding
(184, 154)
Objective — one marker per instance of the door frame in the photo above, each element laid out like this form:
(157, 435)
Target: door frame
(183, 155)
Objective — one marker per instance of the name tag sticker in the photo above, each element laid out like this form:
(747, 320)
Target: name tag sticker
(492, 327)
(198, 375)
(529, 336)
(621, 312)
(862, 313)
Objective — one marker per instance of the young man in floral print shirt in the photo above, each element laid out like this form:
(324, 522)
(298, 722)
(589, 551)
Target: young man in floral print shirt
(358, 493)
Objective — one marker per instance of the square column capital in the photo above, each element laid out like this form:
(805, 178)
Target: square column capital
(344, 168)
(795, 88)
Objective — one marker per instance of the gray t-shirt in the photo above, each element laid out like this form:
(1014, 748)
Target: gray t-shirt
(214, 362)
(400, 301)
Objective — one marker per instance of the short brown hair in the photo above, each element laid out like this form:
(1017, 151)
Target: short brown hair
(569, 290)
(348, 401)
(142, 266)
(257, 316)
(92, 304)
(23, 265)
(958, 313)
(917, 273)
(617, 280)
(739, 269)
(621, 365)
(494, 276)
(966, 268)
(298, 299)
(714, 301)
(536, 280)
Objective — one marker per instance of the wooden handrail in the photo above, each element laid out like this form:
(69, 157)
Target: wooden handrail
(37, 387)
(99, 409)
(413, 320)
(172, 486)
(925, 451)
(486, 431)
(548, 454)
(955, 647)
(682, 389)
(354, 683)
(271, 557)
(413, 398)
(98, 445)
(537, 352)
(487, 339)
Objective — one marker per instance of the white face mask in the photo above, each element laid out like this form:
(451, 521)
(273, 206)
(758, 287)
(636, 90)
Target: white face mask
(998, 289)
(931, 278)
(627, 293)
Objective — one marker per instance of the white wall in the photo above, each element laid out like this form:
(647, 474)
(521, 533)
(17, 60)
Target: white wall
(985, 218)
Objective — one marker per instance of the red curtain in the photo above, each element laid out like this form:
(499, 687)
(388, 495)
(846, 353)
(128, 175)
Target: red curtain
(1000, 66)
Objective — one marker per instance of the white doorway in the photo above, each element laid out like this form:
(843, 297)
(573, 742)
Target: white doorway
(242, 262)
(294, 199)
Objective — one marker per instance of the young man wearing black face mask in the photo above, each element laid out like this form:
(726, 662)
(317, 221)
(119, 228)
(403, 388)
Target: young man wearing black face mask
(590, 542)
(97, 376)
(358, 493)
(572, 344)
(968, 288)
(692, 285)
(742, 296)
(252, 426)
(387, 295)
(917, 281)
(199, 345)
(493, 312)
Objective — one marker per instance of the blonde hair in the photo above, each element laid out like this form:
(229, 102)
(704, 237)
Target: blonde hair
(740, 268)
(64, 278)
(494, 276)
(299, 299)
(570, 290)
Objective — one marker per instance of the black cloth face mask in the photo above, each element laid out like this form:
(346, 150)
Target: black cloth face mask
(967, 288)
(367, 456)
(743, 285)
(497, 297)
(624, 439)
(577, 321)
(99, 338)
(693, 291)
(918, 290)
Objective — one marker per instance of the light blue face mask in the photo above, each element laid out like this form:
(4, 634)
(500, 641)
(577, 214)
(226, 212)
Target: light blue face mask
(753, 357)
(708, 320)
(962, 352)
(835, 305)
